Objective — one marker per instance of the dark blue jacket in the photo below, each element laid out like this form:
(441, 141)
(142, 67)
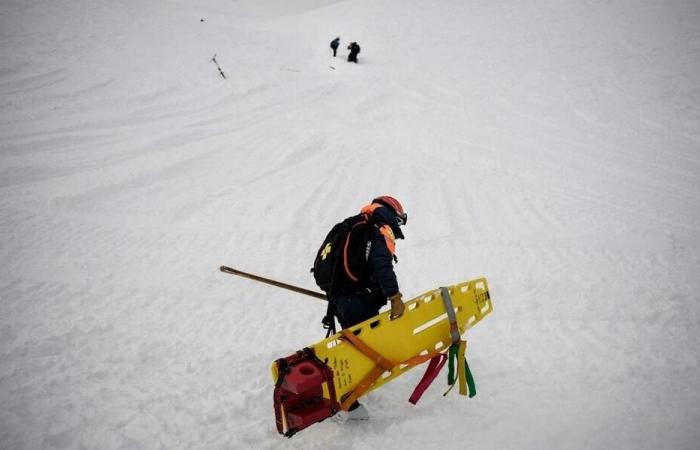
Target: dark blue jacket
(365, 299)
(381, 261)
(381, 282)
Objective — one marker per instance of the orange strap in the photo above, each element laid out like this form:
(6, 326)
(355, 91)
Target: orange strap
(346, 264)
(420, 359)
(367, 350)
(385, 230)
(389, 238)
(383, 365)
(361, 388)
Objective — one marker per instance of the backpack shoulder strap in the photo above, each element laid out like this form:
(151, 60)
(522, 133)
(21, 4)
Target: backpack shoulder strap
(389, 238)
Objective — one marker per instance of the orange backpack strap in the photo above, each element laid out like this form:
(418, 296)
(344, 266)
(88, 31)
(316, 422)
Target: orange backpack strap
(389, 238)
(385, 230)
(346, 262)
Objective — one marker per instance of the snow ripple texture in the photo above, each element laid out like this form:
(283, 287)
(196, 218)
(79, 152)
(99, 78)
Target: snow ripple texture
(552, 146)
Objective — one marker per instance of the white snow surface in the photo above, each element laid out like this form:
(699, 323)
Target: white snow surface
(552, 146)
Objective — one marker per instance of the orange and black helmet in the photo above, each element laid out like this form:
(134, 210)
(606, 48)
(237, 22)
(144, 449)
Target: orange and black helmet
(394, 205)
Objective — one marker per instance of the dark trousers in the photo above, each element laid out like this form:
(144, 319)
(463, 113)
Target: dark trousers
(335, 50)
(352, 57)
(351, 308)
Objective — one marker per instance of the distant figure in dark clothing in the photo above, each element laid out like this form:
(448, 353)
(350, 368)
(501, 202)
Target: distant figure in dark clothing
(354, 50)
(334, 45)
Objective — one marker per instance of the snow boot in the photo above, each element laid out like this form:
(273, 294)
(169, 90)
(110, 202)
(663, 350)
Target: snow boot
(357, 413)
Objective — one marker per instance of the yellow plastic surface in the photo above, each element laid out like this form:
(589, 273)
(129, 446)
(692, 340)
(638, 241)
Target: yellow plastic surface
(423, 328)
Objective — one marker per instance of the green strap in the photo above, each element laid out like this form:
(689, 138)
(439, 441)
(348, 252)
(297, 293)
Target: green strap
(452, 376)
(470, 379)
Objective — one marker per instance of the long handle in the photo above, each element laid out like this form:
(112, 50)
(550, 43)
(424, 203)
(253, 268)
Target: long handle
(232, 271)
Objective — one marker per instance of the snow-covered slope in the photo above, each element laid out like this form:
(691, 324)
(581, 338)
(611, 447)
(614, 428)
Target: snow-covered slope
(552, 146)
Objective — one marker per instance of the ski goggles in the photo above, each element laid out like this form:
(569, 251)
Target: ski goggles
(401, 219)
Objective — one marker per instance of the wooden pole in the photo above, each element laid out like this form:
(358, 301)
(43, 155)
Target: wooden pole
(232, 271)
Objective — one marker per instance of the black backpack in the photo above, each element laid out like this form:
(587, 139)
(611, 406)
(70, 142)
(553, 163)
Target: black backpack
(341, 260)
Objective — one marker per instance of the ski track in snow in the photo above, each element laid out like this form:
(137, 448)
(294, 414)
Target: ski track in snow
(551, 147)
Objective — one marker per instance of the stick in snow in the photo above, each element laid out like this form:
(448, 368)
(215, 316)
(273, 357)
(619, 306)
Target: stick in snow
(213, 58)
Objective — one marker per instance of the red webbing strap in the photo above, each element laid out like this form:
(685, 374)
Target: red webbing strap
(438, 360)
(434, 367)
(279, 415)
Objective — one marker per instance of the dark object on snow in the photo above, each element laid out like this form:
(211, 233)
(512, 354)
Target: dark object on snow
(213, 59)
(354, 50)
(334, 45)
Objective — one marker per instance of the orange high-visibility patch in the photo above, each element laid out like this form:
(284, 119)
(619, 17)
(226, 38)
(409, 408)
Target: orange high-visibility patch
(388, 237)
(386, 230)
(369, 209)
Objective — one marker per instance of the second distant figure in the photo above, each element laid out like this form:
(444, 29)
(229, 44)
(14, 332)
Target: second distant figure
(354, 50)
(334, 45)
